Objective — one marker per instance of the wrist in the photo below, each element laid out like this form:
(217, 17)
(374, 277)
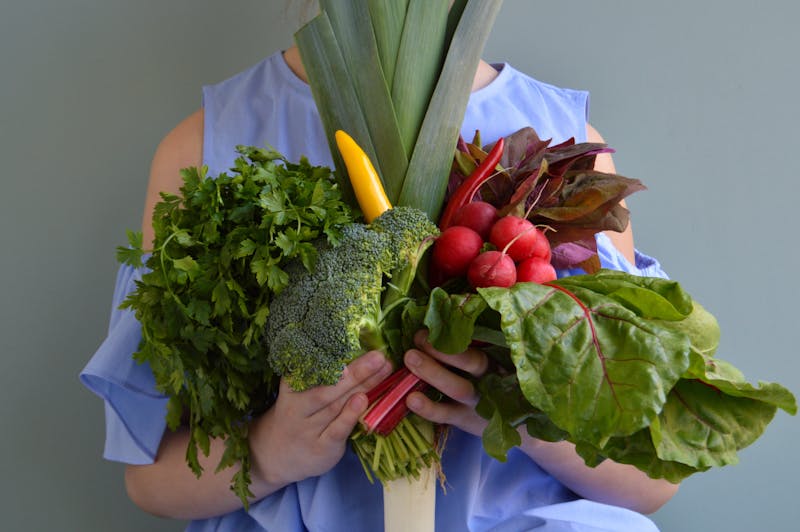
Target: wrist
(266, 475)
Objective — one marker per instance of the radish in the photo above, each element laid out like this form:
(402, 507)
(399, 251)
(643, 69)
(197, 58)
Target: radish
(492, 268)
(477, 215)
(454, 249)
(541, 248)
(520, 236)
(535, 270)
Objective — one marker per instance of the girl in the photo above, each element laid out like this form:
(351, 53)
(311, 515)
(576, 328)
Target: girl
(317, 482)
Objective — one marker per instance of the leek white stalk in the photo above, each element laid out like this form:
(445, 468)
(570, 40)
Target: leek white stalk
(409, 504)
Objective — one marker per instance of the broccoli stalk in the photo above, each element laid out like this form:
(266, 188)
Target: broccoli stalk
(411, 235)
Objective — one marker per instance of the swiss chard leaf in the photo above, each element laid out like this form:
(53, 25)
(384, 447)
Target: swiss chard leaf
(502, 403)
(596, 333)
(596, 368)
(714, 412)
(637, 450)
(703, 427)
(649, 297)
(450, 319)
(727, 379)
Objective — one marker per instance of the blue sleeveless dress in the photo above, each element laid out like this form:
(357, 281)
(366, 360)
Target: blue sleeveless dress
(268, 104)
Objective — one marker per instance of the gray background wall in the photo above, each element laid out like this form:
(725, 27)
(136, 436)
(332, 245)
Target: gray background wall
(698, 98)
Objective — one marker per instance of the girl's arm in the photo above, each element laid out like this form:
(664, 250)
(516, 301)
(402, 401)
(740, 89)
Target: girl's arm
(181, 148)
(304, 433)
(622, 241)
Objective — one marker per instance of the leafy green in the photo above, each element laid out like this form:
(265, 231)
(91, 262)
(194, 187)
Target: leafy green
(597, 368)
(701, 427)
(637, 450)
(449, 315)
(506, 408)
(622, 366)
(219, 256)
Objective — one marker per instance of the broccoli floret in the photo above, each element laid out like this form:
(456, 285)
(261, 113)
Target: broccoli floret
(327, 317)
(411, 233)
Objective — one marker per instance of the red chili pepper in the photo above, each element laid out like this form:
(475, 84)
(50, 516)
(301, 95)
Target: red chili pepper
(465, 192)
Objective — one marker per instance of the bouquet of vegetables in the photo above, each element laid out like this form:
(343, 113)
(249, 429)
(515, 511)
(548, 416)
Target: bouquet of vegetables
(284, 269)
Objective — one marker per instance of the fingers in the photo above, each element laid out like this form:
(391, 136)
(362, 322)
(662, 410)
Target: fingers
(473, 361)
(342, 425)
(441, 377)
(362, 374)
(446, 413)
(359, 376)
(436, 368)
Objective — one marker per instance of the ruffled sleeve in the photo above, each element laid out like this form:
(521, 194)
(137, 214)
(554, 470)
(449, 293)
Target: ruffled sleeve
(610, 257)
(613, 259)
(135, 411)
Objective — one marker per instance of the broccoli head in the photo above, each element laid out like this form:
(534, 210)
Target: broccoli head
(328, 316)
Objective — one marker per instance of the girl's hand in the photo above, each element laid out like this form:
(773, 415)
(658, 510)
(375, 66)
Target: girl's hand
(610, 482)
(308, 430)
(436, 369)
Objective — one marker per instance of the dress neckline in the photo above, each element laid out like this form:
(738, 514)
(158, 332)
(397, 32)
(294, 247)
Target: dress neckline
(503, 72)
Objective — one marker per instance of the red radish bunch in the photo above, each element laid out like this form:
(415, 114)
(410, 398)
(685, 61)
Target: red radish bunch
(521, 254)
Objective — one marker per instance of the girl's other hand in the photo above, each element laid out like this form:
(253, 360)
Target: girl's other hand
(437, 369)
(308, 430)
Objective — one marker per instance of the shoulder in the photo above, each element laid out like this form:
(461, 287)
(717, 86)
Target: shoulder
(603, 162)
(271, 72)
(513, 100)
(181, 148)
(550, 90)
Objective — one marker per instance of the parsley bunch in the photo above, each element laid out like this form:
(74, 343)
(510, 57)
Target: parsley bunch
(218, 258)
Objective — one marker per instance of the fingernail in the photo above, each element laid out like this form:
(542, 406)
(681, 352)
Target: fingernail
(359, 402)
(375, 360)
(413, 359)
(413, 402)
(421, 337)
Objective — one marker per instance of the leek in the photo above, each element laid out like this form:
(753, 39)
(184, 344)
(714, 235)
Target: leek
(400, 94)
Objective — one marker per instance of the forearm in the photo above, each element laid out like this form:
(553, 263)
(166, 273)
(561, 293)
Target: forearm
(610, 482)
(308, 431)
(168, 488)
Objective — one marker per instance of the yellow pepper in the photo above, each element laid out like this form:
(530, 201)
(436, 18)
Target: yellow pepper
(365, 180)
